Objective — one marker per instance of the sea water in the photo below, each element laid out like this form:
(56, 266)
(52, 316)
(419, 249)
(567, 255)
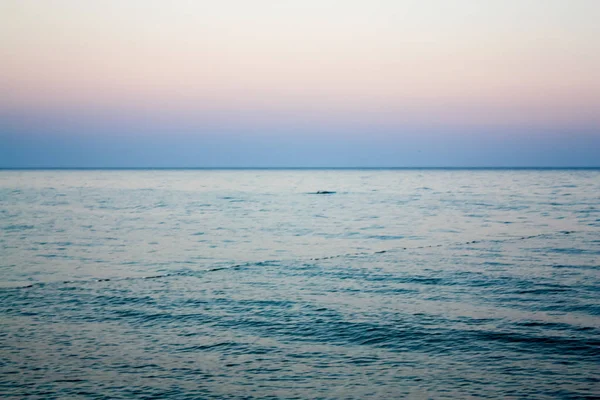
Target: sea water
(188, 284)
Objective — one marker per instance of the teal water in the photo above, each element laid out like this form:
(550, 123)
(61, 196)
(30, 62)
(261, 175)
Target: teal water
(188, 284)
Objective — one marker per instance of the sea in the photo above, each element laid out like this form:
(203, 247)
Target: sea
(250, 284)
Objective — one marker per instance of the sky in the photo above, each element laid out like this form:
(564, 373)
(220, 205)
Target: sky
(299, 83)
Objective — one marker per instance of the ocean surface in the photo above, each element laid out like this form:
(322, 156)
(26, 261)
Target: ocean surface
(198, 284)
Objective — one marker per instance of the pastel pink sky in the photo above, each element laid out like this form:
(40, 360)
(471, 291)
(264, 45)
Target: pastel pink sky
(382, 59)
(301, 68)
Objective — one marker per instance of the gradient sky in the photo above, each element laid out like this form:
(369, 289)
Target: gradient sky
(286, 83)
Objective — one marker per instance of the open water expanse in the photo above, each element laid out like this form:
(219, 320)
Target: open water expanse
(194, 284)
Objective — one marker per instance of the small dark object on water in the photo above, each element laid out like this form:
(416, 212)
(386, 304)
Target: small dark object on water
(324, 192)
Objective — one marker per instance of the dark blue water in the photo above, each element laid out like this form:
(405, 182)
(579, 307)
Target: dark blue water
(245, 284)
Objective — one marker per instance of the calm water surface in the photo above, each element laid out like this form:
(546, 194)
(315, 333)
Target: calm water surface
(245, 284)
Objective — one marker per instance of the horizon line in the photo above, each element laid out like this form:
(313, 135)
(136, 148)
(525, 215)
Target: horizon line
(307, 168)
